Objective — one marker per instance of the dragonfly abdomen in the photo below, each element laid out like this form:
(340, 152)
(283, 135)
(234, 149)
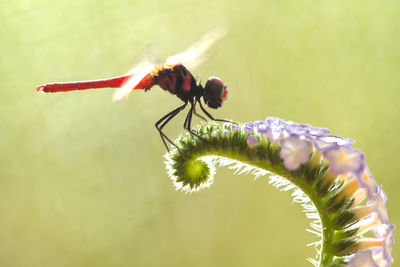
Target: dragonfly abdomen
(83, 85)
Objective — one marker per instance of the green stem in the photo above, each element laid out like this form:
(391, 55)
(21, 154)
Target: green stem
(310, 177)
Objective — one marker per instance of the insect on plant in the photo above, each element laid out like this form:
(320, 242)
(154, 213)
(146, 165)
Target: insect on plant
(173, 76)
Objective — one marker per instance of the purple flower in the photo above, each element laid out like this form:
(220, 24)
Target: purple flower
(275, 134)
(294, 128)
(294, 152)
(383, 253)
(225, 133)
(256, 123)
(328, 141)
(296, 143)
(379, 229)
(367, 181)
(387, 245)
(235, 127)
(275, 121)
(344, 159)
(321, 145)
(252, 141)
(373, 224)
(337, 139)
(262, 129)
(275, 131)
(380, 206)
(362, 258)
(248, 128)
(315, 130)
(269, 120)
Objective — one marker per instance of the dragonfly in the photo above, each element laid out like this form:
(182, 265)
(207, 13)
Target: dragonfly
(173, 76)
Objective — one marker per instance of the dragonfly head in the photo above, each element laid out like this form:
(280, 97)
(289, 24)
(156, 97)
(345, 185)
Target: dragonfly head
(215, 92)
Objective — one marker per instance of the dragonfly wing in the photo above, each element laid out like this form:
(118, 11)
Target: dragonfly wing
(195, 55)
(139, 72)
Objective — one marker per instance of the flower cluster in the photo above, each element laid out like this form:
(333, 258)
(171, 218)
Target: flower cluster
(297, 143)
(333, 176)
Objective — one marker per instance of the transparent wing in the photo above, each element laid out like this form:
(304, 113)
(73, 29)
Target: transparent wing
(195, 55)
(191, 58)
(147, 62)
(139, 72)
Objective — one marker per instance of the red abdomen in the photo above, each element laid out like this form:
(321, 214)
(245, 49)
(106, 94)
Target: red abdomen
(73, 86)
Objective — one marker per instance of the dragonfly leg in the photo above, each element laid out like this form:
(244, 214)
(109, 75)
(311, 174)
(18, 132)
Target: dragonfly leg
(188, 123)
(211, 117)
(164, 120)
(195, 113)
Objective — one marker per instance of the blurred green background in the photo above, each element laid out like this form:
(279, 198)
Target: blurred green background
(82, 179)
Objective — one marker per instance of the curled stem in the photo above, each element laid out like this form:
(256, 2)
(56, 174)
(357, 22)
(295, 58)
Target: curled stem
(324, 172)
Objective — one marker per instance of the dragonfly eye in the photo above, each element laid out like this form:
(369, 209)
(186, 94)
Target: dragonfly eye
(215, 92)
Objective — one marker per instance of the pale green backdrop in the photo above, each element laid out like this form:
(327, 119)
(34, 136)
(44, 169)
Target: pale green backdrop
(82, 179)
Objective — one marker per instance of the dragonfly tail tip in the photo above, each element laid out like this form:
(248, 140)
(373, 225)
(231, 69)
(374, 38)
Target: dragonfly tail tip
(40, 89)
